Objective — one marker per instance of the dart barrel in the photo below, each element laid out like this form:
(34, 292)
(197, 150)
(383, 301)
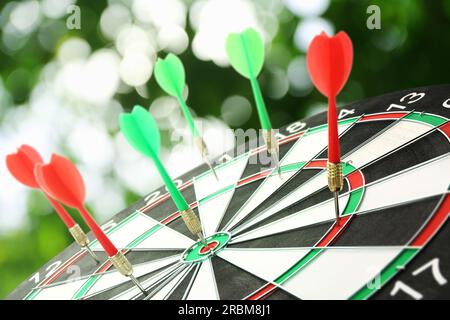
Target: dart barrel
(122, 264)
(79, 236)
(270, 141)
(335, 177)
(201, 146)
(191, 220)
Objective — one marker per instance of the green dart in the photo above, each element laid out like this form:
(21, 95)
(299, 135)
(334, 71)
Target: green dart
(245, 53)
(142, 133)
(170, 76)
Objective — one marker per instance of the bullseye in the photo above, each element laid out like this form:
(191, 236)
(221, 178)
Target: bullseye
(199, 252)
(211, 246)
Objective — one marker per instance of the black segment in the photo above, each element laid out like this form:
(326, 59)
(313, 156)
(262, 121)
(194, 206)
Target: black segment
(358, 134)
(180, 226)
(166, 208)
(297, 180)
(394, 226)
(426, 148)
(233, 283)
(182, 288)
(302, 237)
(240, 196)
(436, 252)
(279, 294)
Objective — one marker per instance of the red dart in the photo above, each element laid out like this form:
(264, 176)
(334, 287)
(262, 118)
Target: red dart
(21, 166)
(329, 63)
(62, 180)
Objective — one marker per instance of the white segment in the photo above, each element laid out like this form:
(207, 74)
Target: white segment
(423, 181)
(127, 233)
(212, 211)
(109, 280)
(166, 290)
(204, 285)
(60, 292)
(320, 213)
(165, 238)
(268, 264)
(228, 174)
(315, 183)
(400, 133)
(339, 273)
(134, 292)
(302, 151)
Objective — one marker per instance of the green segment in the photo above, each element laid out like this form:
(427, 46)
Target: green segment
(144, 236)
(427, 118)
(402, 259)
(300, 264)
(32, 294)
(216, 194)
(245, 52)
(353, 201)
(86, 286)
(193, 253)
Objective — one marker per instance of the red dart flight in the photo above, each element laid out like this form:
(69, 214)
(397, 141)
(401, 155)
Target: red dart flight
(21, 166)
(62, 180)
(329, 63)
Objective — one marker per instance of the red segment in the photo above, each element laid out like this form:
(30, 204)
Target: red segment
(356, 179)
(210, 246)
(445, 128)
(383, 116)
(63, 268)
(262, 292)
(334, 232)
(254, 177)
(317, 164)
(433, 224)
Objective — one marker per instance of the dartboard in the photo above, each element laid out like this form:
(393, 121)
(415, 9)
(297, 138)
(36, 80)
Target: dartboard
(272, 235)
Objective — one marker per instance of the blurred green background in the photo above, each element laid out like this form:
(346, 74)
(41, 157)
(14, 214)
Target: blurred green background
(61, 89)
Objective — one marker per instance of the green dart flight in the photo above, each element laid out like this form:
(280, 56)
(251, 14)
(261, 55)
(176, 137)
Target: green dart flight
(245, 53)
(142, 133)
(170, 76)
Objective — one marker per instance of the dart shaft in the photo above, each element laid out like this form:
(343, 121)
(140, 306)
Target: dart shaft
(105, 242)
(333, 137)
(62, 213)
(188, 116)
(260, 105)
(176, 195)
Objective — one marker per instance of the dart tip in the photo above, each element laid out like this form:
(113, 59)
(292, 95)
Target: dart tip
(211, 168)
(138, 284)
(202, 238)
(92, 254)
(336, 207)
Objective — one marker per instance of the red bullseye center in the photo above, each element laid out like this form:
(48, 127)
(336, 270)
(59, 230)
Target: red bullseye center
(209, 247)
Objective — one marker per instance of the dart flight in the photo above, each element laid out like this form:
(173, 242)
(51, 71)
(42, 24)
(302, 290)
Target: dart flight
(142, 132)
(245, 53)
(61, 180)
(329, 61)
(170, 76)
(21, 166)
